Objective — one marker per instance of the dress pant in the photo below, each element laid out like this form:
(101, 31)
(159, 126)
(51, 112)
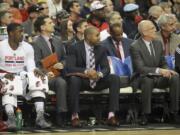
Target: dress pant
(148, 83)
(77, 84)
(59, 85)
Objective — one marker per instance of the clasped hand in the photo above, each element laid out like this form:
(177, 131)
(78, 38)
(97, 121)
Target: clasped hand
(167, 73)
(92, 74)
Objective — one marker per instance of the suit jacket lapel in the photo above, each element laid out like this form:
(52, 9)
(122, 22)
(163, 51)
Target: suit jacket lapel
(96, 54)
(155, 52)
(45, 45)
(83, 52)
(146, 52)
(124, 48)
(113, 46)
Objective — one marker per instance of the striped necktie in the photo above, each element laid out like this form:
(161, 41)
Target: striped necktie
(92, 65)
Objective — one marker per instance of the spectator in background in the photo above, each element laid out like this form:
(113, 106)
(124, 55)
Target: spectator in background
(67, 34)
(60, 16)
(166, 6)
(97, 16)
(85, 10)
(109, 7)
(17, 17)
(176, 8)
(74, 9)
(4, 7)
(131, 20)
(170, 40)
(5, 19)
(55, 6)
(45, 9)
(33, 11)
(79, 28)
(154, 13)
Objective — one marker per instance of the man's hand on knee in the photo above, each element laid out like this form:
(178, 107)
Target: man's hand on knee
(9, 76)
(38, 73)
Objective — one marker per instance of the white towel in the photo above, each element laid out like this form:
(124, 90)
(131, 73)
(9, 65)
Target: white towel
(14, 87)
(36, 84)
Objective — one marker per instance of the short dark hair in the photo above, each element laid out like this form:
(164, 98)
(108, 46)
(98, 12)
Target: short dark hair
(78, 24)
(70, 5)
(13, 26)
(39, 22)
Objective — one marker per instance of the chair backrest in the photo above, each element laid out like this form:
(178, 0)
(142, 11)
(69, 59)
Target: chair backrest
(120, 68)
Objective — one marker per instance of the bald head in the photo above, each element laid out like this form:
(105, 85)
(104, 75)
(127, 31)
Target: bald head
(147, 29)
(91, 35)
(143, 25)
(89, 31)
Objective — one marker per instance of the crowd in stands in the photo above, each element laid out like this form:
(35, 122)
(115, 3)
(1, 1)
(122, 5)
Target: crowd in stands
(82, 34)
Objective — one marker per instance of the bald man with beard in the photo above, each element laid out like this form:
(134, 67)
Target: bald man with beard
(80, 61)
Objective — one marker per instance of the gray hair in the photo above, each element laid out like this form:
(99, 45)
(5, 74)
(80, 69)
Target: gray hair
(165, 18)
(153, 10)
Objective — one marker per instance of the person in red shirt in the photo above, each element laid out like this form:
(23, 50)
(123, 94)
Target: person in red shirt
(97, 16)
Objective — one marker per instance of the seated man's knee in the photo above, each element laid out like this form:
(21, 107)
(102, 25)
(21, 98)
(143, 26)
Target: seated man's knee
(75, 79)
(61, 81)
(38, 99)
(175, 77)
(114, 78)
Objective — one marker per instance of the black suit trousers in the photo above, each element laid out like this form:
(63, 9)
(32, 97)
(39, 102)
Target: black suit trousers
(77, 84)
(148, 83)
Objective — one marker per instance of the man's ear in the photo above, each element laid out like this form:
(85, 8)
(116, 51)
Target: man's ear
(42, 27)
(144, 33)
(78, 29)
(163, 27)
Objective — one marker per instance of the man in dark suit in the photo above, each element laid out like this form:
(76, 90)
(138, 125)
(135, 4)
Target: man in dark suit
(89, 58)
(151, 69)
(44, 45)
(116, 43)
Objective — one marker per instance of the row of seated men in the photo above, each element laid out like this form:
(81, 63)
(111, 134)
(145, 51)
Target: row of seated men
(85, 67)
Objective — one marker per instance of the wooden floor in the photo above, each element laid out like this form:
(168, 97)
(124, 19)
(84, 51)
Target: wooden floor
(144, 132)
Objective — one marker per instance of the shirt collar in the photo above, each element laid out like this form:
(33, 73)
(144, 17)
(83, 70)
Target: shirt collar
(146, 42)
(87, 46)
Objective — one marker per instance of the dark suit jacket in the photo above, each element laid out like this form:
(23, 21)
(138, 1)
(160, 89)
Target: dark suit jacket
(76, 61)
(142, 60)
(42, 50)
(111, 50)
(177, 59)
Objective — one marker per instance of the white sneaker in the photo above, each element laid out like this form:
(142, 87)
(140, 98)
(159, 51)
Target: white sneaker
(41, 122)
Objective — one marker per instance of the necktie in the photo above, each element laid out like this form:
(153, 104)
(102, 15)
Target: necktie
(51, 45)
(167, 49)
(92, 65)
(152, 51)
(117, 50)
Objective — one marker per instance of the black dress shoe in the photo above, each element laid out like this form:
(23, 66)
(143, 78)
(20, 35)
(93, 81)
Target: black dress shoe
(143, 120)
(60, 120)
(113, 122)
(76, 123)
(174, 118)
